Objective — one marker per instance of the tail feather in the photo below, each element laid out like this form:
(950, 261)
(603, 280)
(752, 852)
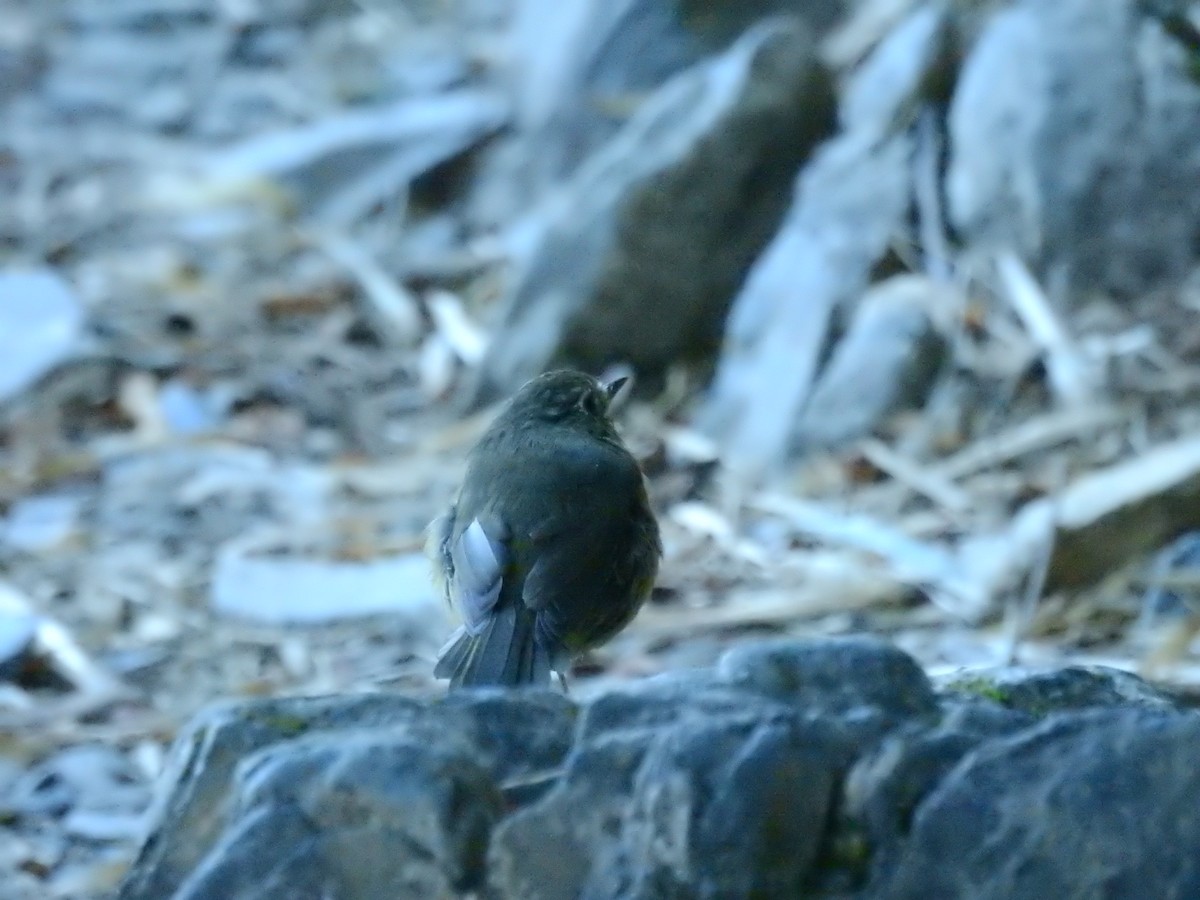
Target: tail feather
(506, 652)
(454, 655)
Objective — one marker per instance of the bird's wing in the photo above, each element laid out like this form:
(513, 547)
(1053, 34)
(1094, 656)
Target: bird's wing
(479, 557)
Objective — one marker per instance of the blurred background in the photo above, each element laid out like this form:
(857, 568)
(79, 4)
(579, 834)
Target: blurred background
(910, 290)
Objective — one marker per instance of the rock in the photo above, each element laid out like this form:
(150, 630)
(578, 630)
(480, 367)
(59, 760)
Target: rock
(509, 736)
(662, 804)
(885, 786)
(834, 677)
(1060, 690)
(659, 701)
(354, 816)
(194, 804)
(795, 768)
(1072, 138)
(637, 257)
(551, 849)
(1090, 804)
(726, 809)
(888, 360)
(41, 327)
(518, 734)
(851, 201)
(581, 68)
(253, 841)
(571, 838)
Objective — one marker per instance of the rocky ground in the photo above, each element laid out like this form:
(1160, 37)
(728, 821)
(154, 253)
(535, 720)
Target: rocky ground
(910, 292)
(792, 769)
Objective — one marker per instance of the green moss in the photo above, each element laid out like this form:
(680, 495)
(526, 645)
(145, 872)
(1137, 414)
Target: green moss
(852, 851)
(283, 724)
(981, 687)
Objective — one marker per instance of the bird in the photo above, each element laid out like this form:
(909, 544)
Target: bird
(551, 546)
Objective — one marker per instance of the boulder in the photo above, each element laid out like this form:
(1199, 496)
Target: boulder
(1073, 140)
(639, 255)
(818, 768)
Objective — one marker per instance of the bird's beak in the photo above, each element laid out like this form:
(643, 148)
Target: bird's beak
(614, 387)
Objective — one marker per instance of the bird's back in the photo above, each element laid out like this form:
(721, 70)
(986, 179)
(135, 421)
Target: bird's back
(583, 542)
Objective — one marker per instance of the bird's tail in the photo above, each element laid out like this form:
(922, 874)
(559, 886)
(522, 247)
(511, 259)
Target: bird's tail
(505, 652)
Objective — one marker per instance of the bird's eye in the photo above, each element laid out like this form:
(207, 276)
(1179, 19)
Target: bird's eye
(592, 403)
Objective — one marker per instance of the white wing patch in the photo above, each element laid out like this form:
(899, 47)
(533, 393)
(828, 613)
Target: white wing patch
(479, 562)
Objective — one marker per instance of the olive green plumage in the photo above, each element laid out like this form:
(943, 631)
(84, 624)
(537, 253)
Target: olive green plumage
(551, 547)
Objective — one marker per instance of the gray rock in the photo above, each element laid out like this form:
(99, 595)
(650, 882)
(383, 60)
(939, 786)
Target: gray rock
(509, 736)
(243, 847)
(884, 788)
(582, 69)
(1073, 139)
(659, 701)
(683, 806)
(518, 734)
(726, 809)
(1096, 804)
(1040, 693)
(195, 804)
(356, 817)
(551, 849)
(638, 257)
(796, 768)
(851, 201)
(572, 837)
(835, 677)
(888, 360)
(568, 84)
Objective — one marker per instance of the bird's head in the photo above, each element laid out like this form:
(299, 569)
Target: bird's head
(567, 397)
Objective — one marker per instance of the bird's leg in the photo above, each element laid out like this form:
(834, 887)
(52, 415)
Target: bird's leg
(562, 682)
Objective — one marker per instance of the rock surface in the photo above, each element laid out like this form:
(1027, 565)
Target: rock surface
(794, 768)
(583, 69)
(1091, 804)
(888, 359)
(1064, 131)
(1070, 122)
(638, 256)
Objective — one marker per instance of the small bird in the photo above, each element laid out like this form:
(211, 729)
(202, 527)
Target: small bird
(551, 547)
